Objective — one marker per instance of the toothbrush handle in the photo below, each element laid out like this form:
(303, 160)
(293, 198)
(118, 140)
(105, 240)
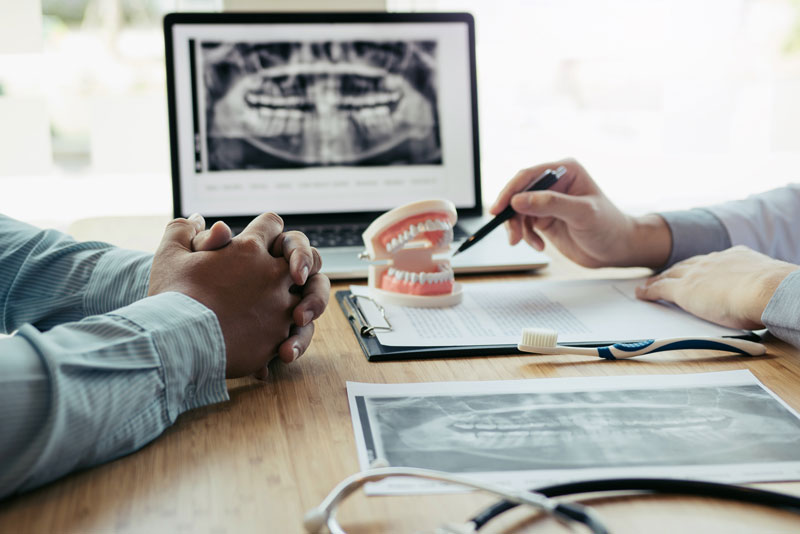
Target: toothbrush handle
(637, 348)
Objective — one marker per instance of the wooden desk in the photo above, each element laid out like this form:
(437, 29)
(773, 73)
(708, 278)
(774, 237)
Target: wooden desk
(260, 461)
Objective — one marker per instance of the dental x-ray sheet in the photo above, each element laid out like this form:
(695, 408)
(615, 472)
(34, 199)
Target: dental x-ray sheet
(723, 426)
(495, 313)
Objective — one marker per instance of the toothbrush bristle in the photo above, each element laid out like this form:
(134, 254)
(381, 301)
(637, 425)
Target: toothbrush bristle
(539, 337)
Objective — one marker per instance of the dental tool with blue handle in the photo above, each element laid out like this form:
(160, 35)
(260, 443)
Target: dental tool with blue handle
(544, 341)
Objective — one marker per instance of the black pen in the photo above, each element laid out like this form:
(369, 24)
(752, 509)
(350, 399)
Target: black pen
(544, 181)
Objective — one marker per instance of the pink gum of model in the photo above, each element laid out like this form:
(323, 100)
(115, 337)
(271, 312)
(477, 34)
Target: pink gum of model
(401, 245)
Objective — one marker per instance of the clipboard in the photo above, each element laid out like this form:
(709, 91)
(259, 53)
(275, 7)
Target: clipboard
(352, 307)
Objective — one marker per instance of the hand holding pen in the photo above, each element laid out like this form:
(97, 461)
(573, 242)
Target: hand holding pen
(544, 181)
(577, 217)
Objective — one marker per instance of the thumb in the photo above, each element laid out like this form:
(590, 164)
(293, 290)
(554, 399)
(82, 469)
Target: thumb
(218, 236)
(568, 208)
(178, 236)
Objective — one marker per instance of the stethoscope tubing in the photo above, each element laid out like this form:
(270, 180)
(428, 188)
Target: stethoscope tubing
(696, 488)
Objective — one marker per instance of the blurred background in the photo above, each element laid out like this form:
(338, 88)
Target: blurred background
(668, 103)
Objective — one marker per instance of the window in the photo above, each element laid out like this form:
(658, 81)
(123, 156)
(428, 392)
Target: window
(668, 104)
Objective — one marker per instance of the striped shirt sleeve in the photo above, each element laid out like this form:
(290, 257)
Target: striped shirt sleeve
(47, 278)
(91, 375)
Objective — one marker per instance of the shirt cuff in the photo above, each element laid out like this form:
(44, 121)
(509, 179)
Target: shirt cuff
(189, 341)
(694, 232)
(120, 278)
(782, 314)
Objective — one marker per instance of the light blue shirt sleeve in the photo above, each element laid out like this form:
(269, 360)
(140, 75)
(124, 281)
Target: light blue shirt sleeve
(95, 370)
(769, 223)
(694, 232)
(47, 278)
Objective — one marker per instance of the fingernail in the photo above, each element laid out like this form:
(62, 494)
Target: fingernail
(307, 316)
(304, 273)
(295, 353)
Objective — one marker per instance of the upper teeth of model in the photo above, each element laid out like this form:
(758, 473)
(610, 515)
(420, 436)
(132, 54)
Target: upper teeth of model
(413, 230)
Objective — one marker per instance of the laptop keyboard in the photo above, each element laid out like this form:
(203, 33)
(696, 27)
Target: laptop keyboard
(347, 235)
(338, 235)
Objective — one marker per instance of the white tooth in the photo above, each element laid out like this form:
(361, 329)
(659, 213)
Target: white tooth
(406, 235)
(391, 271)
(406, 276)
(366, 117)
(423, 277)
(383, 120)
(429, 225)
(278, 124)
(264, 100)
(414, 278)
(293, 126)
(412, 230)
(421, 227)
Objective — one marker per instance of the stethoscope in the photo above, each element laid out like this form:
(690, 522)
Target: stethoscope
(542, 498)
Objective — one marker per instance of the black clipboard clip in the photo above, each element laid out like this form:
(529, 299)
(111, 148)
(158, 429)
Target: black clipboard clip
(356, 314)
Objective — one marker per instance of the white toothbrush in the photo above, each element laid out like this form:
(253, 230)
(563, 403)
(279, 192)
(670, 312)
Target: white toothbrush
(543, 341)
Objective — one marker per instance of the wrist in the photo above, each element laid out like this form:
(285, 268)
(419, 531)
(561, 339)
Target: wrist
(766, 284)
(650, 243)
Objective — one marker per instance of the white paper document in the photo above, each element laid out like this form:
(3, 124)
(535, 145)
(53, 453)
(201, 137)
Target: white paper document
(523, 434)
(495, 313)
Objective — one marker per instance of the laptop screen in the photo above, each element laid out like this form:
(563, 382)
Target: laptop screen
(321, 113)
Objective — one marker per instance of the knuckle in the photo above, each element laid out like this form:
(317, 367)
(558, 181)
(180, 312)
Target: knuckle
(297, 237)
(316, 302)
(180, 222)
(249, 244)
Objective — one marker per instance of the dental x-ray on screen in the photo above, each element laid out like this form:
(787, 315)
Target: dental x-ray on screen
(316, 103)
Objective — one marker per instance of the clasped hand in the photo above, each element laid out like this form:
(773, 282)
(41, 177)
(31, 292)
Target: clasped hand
(263, 285)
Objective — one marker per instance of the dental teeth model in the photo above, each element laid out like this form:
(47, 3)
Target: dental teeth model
(401, 245)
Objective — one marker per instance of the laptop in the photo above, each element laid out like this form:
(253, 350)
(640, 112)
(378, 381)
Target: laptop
(329, 119)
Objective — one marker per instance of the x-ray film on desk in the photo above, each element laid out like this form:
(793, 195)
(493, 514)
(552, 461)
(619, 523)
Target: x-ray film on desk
(722, 426)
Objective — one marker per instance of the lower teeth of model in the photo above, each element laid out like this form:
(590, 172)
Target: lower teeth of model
(444, 275)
